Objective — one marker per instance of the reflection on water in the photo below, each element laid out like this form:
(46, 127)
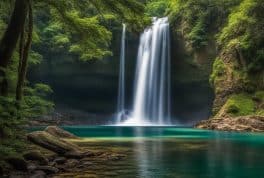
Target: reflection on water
(178, 152)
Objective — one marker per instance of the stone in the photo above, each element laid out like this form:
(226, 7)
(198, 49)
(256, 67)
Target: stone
(60, 160)
(58, 132)
(115, 157)
(18, 175)
(48, 169)
(239, 124)
(51, 142)
(38, 174)
(17, 163)
(36, 156)
(87, 163)
(74, 154)
(31, 167)
(71, 163)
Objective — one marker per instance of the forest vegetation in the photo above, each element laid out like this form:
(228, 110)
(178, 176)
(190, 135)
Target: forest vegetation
(33, 30)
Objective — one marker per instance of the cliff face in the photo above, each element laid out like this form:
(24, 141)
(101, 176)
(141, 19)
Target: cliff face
(225, 42)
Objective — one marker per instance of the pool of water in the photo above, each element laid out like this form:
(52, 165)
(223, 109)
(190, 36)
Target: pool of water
(154, 152)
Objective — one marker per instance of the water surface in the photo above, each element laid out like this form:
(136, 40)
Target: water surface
(155, 152)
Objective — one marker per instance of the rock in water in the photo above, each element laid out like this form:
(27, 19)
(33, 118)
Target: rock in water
(58, 132)
(240, 124)
(50, 142)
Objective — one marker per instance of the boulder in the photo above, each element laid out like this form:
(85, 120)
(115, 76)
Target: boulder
(58, 132)
(36, 156)
(38, 174)
(31, 167)
(17, 163)
(18, 175)
(48, 169)
(74, 154)
(60, 160)
(71, 163)
(50, 142)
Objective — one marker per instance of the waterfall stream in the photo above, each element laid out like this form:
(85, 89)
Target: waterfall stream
(151, 102)
(121, 87)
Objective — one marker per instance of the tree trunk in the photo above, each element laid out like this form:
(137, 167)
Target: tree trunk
(24, 51)
(10, 39)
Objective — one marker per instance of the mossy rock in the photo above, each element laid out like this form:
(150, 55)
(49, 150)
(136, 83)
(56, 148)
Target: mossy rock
(58, 132)
(240, 105)
(219, 70)
(50, 142)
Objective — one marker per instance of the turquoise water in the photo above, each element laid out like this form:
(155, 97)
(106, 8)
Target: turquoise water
(158, 152)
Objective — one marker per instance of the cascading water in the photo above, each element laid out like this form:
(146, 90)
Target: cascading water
(121, 88)
(152, 83)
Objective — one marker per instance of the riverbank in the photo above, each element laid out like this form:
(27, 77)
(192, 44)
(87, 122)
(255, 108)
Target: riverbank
(54, 152)
(239, 124)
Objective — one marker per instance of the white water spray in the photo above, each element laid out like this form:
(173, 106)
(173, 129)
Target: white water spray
(121, 88)
(152, 81)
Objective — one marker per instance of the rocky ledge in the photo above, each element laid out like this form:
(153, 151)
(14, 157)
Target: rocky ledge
(53, 152)
(239, 124)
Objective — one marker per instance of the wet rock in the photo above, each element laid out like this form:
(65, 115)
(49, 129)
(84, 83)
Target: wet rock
(89, 154)
(31, 167)
(74, 154)
(38, 174)
(18, 175)
(51, 142)
(115, 157)
(58, 132)
(71, 163)
(87, 164)
(36, 156)
(17, 163)
(48, 169)
(60, 160)
(240, 124)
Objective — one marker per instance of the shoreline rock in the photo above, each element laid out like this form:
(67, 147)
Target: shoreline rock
(238, 124)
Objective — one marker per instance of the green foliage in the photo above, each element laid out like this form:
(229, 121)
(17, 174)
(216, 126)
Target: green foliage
(218, 70)
(81, 27)
(244, 32)
(240, 105)
(197, 20)
(35, 103)
(157, 8)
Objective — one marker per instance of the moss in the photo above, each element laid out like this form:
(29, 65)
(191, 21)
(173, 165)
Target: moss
(240, 105)
(259, 96)
(218, 71)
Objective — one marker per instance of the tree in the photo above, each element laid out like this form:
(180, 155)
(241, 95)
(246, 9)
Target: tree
(10, 39)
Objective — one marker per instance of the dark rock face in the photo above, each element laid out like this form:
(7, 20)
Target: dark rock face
(17, 163)
(74, 154)
(38, 174)
(60, 160)
(36, 156)
(58, 132)
(240, 124)
(48, 169)
(1, 171)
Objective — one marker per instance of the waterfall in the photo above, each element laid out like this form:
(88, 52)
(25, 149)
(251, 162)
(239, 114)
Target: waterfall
(152, 81)
(121, 87)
